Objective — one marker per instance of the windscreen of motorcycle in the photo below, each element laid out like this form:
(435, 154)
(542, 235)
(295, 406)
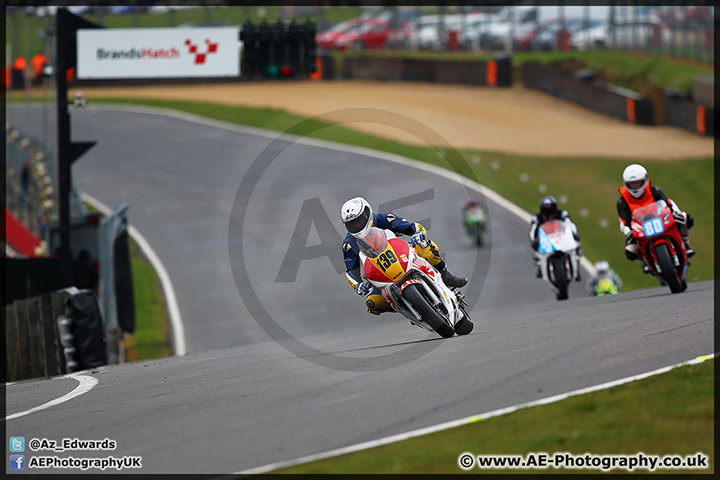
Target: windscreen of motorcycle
(555, 236)
(651, 220)
(374, 243)
(649, 211)
(390, 264)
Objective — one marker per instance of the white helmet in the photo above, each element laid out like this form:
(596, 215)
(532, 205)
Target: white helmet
(601, 266)
(635, 178)
(357, 216)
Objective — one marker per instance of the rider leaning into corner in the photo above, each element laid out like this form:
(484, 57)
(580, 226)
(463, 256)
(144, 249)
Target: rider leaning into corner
(549, 211)
(358, 217)
(637, 192)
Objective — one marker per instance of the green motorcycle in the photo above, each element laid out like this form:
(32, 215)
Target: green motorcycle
(475, 224)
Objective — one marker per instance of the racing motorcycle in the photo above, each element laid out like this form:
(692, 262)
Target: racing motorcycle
(558, 256)
(605, 286)
(411, 285)
(660, 244)
(475, 221)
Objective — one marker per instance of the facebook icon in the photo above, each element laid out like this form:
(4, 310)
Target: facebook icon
(17, 462)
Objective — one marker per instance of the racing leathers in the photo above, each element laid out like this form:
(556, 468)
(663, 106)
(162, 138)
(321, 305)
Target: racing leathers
(627, 203)
(605, 283)
(375, 302)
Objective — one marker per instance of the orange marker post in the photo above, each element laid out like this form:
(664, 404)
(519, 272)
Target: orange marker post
(631, 110)
(491, 75)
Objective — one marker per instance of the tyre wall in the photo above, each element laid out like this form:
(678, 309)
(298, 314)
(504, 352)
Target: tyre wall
(689, 115)
(614, 101)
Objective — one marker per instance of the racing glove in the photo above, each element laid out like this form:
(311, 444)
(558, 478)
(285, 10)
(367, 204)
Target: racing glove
(419, 238)
(362, 289)
(680, 217)
(690, 220)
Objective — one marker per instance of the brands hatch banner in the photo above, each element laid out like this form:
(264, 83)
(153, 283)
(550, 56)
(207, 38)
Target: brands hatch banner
(158, 52)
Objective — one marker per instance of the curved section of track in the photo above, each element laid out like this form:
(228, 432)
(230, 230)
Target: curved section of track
(238, 408)
(181, 176)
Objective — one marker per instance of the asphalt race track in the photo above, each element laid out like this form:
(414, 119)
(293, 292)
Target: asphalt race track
(309, 370)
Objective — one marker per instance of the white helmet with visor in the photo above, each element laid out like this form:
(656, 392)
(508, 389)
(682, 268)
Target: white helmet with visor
(635, 179)
(357, 216)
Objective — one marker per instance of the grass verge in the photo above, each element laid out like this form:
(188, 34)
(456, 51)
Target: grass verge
(151, 337)
(669, 414)
(586, 187)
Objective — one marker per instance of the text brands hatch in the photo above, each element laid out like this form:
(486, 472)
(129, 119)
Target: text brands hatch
(158, 53)
(198, 55)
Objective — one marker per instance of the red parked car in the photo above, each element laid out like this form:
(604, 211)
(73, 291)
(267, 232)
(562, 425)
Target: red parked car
(326, 40)
(372, 34)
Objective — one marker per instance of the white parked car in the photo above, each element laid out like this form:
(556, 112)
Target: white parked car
(425, 33)
(602, 36)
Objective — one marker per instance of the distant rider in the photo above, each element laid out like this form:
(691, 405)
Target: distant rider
(549, 211)
(358, 217)
(604, 280)
(637, 192)
(470, 204)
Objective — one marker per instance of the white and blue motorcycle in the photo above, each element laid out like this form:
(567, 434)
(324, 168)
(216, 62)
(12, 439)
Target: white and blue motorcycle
(558, 255)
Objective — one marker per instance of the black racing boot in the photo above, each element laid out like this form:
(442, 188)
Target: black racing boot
(448, 278)
(689, 251)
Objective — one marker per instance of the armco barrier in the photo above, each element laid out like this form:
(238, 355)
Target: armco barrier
(689, 115)
(365, 68)
(416, 70)
(497, 72)
(610, 100)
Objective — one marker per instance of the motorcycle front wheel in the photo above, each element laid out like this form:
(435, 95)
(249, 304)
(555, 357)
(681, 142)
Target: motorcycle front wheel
(668, 269)
(412, 294)
(561, 281)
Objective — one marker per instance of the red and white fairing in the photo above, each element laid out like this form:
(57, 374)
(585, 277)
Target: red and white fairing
(402, 271)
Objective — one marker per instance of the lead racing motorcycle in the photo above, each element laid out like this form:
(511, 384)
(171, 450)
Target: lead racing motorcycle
(558, 255)
(411, 285)
(660, 244)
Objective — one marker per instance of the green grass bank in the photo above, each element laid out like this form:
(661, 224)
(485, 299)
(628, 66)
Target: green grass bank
(586, 187)
(151, 337)
(668, 414)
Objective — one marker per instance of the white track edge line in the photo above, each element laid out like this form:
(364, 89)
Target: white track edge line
(178, 329)
(496, 197)
(86, 383)
(486, 191)
(464, 421)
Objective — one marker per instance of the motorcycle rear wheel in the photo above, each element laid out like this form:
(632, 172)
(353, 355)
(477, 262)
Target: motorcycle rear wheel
(412, 294)
(669, 274)
(478, 236)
